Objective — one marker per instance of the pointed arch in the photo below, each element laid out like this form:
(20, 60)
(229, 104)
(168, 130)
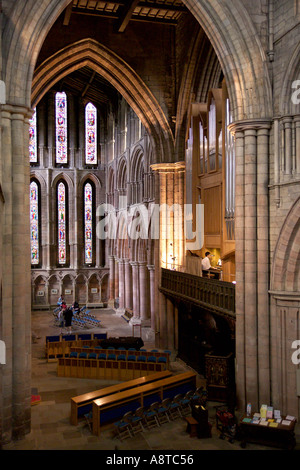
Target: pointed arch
(228, 27)
(285, 276)
(287, 104)
(89, 52)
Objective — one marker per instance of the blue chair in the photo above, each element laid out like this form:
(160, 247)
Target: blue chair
(121, 349)
(102, 356)
(144, 350)
(92, 356)
(162, 359)
(123, 429)
(131, 357)
(151, 359)
(135, 421)
(131, 349)
(167, 351)
(111, 357)
(121, 357)
(154, 350)
(82, 355)
(184, 404)
(141, 358)
(73, 354)
(111, 347)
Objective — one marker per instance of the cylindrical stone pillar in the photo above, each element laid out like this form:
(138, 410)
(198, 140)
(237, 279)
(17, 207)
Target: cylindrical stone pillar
(143, 291)
(128, 285)
(135, 290)
(152, 295)
(111, 261)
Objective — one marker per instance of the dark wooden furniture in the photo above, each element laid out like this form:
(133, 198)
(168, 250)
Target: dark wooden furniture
(192, 425)
(219, 373)
(82, 404)
(281, 436)
(106, 369)
(113, 407)
(125, 342)
(200, 414)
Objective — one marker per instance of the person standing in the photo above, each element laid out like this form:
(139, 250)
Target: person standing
(68, 314)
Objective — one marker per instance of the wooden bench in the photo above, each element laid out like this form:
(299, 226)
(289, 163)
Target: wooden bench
(82, 404)
(192, 425)
(106, 369)
(60, 345)
(113, 407)
(127, 352)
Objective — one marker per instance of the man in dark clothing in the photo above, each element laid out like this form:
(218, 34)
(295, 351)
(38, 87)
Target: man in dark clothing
(68, 314)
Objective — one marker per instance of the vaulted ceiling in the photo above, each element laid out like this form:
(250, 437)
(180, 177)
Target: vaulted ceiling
(87, 84)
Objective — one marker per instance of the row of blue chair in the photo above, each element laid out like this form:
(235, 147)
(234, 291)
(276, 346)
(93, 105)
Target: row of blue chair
(114, 357)
(158, 413)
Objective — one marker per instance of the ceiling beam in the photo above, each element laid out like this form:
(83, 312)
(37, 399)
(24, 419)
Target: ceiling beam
(126, 15)
(163, 7)
(68, 12)
(88, 84)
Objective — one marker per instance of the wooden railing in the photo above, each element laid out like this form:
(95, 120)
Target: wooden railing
(217, 296)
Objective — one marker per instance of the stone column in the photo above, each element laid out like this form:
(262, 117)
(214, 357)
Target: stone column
(116, 279)
(288, 159)
(135, 290)
(262, 235)
(16, 287)
(121, 308)
(152, 295)
(111, 261)
(144, 292)
(128, 285)
(297, 143)
(252, 303)
(51, 130)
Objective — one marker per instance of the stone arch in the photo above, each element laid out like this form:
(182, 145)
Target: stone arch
(54, 289)
(288, 105)
(285, 276)
(137, 174)
(122, 173)
(81, 288)
(228, 27)
(39, 291)
(89, 52)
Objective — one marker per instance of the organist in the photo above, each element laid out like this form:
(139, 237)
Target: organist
(207, 269)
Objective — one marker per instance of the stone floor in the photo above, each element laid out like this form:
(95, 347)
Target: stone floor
(51, 429)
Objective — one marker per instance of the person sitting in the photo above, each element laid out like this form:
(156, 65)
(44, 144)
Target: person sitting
(206, 261)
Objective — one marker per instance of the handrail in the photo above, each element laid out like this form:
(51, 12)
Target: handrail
(213, 294)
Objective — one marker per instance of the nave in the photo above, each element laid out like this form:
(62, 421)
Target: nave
(51, 429)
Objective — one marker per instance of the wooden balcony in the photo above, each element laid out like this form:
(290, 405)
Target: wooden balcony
(216, 296)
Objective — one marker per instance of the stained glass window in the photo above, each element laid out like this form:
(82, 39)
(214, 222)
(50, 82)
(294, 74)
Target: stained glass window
(90, 134)
(32, 139)
(61, 200)
(61, 127)
(88, 221)
(34, 223)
